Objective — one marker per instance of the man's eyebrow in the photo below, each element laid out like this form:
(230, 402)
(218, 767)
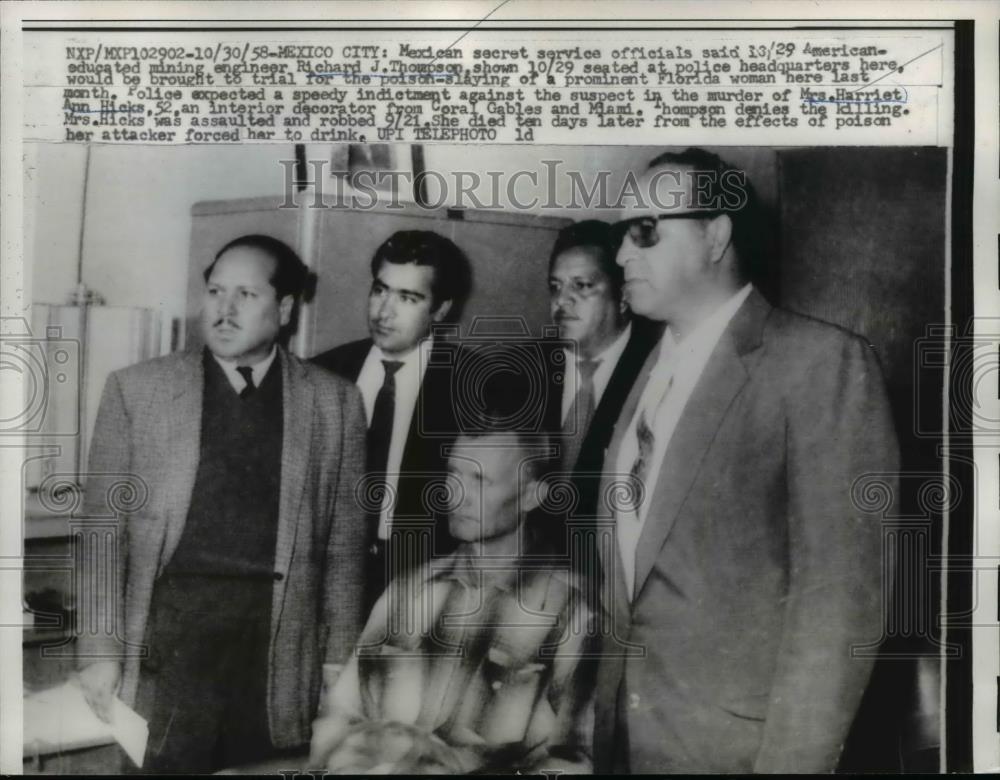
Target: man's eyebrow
(400, 290)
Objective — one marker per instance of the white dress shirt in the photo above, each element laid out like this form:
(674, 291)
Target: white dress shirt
(671, 382)
(408, 379)
(258, 371)
(602, 374)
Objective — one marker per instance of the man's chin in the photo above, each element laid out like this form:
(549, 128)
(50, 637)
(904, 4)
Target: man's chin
(222, 350)
(642, 304)
(386, 343)
(568, 331)
(464, 530)
(226, 350)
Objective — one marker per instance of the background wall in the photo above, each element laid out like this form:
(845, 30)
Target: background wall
(137, 230)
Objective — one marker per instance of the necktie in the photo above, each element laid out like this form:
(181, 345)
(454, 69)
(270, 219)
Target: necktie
(640, 466)
(376, 462)
(581, 412)
(380, 430)
(646, 441)
(247, 373)
(630, 520)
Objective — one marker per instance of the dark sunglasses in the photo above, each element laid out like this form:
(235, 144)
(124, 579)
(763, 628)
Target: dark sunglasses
(642, 230)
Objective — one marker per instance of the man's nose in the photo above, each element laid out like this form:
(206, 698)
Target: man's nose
(626, 252)
(229, 305)
(386, 309)
(469, 501)
(563, 299)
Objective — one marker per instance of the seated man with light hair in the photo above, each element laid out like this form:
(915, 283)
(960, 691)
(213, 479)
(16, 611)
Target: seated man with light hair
(482, 660)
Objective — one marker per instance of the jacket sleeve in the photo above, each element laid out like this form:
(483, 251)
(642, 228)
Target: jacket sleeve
(344, 569)
(839, 437)
(102, 544)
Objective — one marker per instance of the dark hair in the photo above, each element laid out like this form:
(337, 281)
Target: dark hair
(597, 235)
(503, 402)
(452, 272)
(719, 188)
(290, 276)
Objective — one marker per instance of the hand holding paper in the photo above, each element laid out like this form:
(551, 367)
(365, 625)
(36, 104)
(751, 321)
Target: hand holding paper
(100, 682)
(60, 719)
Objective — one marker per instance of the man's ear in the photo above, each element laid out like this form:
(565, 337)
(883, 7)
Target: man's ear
(285, 306)
(442, 311)
(720, 233)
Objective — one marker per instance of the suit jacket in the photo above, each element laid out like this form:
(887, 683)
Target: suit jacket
(590, 462)
(759, 568)
(432, 430)
(147, 440)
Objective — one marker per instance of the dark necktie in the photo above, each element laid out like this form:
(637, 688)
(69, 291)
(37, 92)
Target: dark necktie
(380, 431)
(581, 412)
(247, 373)
(379, 438)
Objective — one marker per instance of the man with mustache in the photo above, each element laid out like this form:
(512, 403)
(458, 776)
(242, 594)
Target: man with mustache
(237, 573)
(419, 278)
(748, 568)
(606, 348)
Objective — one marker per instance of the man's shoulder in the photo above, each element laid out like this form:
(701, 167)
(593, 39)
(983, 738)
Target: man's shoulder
(805, 356)
(795, 336)
(345, 360)
(165, 370)
(323, 380)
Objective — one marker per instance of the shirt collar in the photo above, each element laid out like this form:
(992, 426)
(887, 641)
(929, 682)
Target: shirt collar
(708, 332)
(614, 350)
(258, 370)
(611, 352)
(415, 357)
(458, 568)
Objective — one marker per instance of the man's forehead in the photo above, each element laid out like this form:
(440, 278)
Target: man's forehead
(488, 449)
(244, 263)
(665, 188)
(409, 276)
(578, 261)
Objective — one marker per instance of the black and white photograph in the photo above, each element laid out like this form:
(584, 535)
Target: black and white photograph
(453, 456)
(747, 612)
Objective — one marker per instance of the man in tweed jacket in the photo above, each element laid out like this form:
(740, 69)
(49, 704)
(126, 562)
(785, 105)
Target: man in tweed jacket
(238, 567)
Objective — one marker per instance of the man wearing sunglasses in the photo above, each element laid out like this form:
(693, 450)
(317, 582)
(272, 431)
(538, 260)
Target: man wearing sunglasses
(744, 575)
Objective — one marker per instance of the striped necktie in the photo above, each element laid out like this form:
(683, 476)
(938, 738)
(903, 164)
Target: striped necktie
(646, 440)
(581, 412)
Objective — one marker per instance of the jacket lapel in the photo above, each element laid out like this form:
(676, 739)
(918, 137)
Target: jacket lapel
(723, 377)
(623, 378)
(184, 448)
(356, 359)
(611, 554)
(297, 413)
